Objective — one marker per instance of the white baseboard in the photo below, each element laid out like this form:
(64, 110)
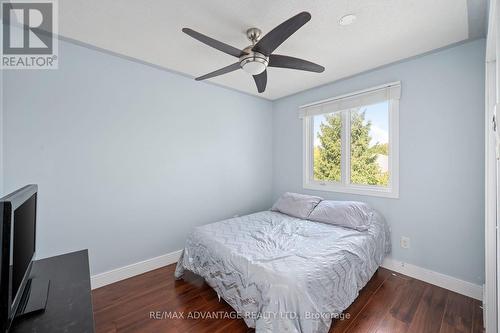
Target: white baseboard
(441, 280)
(438, 279)
(122, 273)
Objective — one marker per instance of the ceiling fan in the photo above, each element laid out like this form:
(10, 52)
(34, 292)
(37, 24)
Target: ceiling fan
(254, 59)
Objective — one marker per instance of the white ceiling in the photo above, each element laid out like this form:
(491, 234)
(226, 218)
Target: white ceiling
(150, 30)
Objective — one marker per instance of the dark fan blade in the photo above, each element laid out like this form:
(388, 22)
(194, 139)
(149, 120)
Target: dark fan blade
(221, 71)
(261, 81)
(276, 60)
(214, 43)
(278, 35)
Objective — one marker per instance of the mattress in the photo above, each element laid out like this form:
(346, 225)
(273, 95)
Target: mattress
(284, 274)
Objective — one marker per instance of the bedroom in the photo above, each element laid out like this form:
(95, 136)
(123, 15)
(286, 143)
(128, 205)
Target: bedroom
(386, 126)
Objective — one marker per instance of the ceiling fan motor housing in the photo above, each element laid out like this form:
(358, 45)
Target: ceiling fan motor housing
(253, 62)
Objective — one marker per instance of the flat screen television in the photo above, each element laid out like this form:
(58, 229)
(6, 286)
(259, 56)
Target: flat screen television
(19, 293)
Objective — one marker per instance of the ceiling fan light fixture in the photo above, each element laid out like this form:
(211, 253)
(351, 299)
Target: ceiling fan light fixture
(254, 62)
(253, 67)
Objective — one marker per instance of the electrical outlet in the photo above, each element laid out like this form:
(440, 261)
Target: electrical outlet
(405, 242)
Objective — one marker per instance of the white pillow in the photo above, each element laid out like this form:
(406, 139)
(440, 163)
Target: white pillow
(297, 205)
(349, 214)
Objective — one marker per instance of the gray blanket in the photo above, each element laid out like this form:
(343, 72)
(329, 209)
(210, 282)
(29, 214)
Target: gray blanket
(283, 274)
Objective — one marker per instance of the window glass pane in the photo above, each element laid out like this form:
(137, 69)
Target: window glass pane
(370, 144)
(327, 147)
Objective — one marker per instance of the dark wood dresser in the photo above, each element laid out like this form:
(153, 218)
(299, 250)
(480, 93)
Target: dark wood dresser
(69, 302)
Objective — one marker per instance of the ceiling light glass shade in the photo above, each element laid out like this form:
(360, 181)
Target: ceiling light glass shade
(253, 62)
(254, 67)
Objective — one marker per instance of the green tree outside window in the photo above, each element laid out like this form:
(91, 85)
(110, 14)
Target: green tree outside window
(365, 168)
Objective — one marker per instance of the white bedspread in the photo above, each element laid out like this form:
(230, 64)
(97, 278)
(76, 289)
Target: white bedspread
(284, 274)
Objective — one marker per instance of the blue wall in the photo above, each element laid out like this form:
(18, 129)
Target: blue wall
(128, 157)
(441, 204)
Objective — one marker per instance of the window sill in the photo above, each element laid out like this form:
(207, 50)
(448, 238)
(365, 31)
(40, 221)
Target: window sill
(353, 189)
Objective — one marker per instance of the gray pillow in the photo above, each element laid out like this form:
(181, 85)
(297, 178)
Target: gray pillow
(297, 205)
(349, 214)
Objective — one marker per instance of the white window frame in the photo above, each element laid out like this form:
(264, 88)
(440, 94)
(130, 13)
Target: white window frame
(344, 186)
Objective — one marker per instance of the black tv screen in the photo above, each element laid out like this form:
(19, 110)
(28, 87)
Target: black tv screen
(18, 230)
(23, 242)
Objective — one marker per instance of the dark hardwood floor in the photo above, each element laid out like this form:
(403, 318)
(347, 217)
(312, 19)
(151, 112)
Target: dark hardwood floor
(389, 303)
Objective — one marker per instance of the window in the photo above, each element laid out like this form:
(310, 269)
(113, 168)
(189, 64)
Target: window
(351, 142)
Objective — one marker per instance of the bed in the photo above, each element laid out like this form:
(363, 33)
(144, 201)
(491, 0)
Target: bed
(285, 274)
